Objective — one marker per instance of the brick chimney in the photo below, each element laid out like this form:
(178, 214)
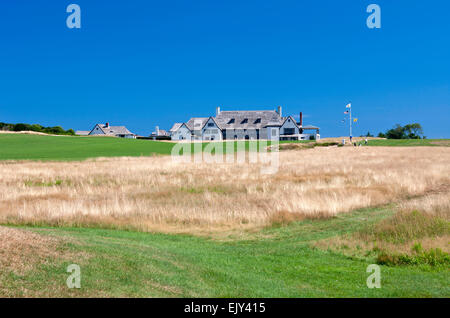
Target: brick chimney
(301, 123)
(107, 125)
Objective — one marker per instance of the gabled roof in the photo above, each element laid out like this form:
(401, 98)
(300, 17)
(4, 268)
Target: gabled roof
(247, 119)
(291, 118)
(113, 130)
(201, 120)
(175, 127)
(213, 121)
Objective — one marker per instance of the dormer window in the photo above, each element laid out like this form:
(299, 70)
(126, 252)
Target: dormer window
(245, 121)
(258, 121)
(231, 121)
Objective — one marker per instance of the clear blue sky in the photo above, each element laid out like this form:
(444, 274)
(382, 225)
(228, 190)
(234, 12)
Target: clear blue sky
(143, 63)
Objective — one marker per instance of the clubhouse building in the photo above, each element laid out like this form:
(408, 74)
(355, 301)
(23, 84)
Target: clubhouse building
(248, 125)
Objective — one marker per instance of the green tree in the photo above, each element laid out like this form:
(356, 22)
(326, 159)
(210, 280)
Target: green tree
(398, 132)
(21, 127)
(36, 127)
(57, 130)
(409, 131)
(413, 131)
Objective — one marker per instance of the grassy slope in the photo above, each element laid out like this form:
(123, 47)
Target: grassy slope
(410, 142)
(37, 147)
(17, 147)
(275, 262)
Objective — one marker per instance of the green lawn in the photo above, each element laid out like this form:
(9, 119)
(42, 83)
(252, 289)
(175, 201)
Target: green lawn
(38, 147)
(275, 262)
(410, 142)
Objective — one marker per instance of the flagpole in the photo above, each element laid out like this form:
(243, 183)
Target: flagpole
(350, 120)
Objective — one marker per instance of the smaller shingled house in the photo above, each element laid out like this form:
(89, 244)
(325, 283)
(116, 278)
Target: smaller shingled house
(113, 131)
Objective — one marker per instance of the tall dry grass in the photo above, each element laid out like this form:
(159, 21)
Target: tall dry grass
(155, 193)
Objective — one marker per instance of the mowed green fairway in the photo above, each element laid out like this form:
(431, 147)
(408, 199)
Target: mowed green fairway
(275, 262)
(38, 147)
(410, 142)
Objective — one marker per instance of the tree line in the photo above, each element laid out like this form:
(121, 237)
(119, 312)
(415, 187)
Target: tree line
(55, 130)
(409, 131)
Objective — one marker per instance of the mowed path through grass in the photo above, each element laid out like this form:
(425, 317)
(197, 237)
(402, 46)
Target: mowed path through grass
(274, 262)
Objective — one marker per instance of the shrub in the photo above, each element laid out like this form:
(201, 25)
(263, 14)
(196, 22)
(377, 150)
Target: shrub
(21, 127)
(57, 130)
(432, 257)
(407, 226)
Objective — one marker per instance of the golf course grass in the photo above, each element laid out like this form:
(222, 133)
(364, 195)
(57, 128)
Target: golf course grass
(278, 261)
(41, 147)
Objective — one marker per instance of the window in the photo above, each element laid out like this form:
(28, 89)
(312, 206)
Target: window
(231, 121)
(210, 124)
(247, 137)
(244, 121)
(289, 131)
(258, 121)
(274, 132)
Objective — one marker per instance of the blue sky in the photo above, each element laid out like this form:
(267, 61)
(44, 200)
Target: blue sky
(145, 63)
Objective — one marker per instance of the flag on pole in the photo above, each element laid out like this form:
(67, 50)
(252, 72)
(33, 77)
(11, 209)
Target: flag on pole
(355, 120)
(348, 105)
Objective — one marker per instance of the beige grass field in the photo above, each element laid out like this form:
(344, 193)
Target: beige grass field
(156, 194)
